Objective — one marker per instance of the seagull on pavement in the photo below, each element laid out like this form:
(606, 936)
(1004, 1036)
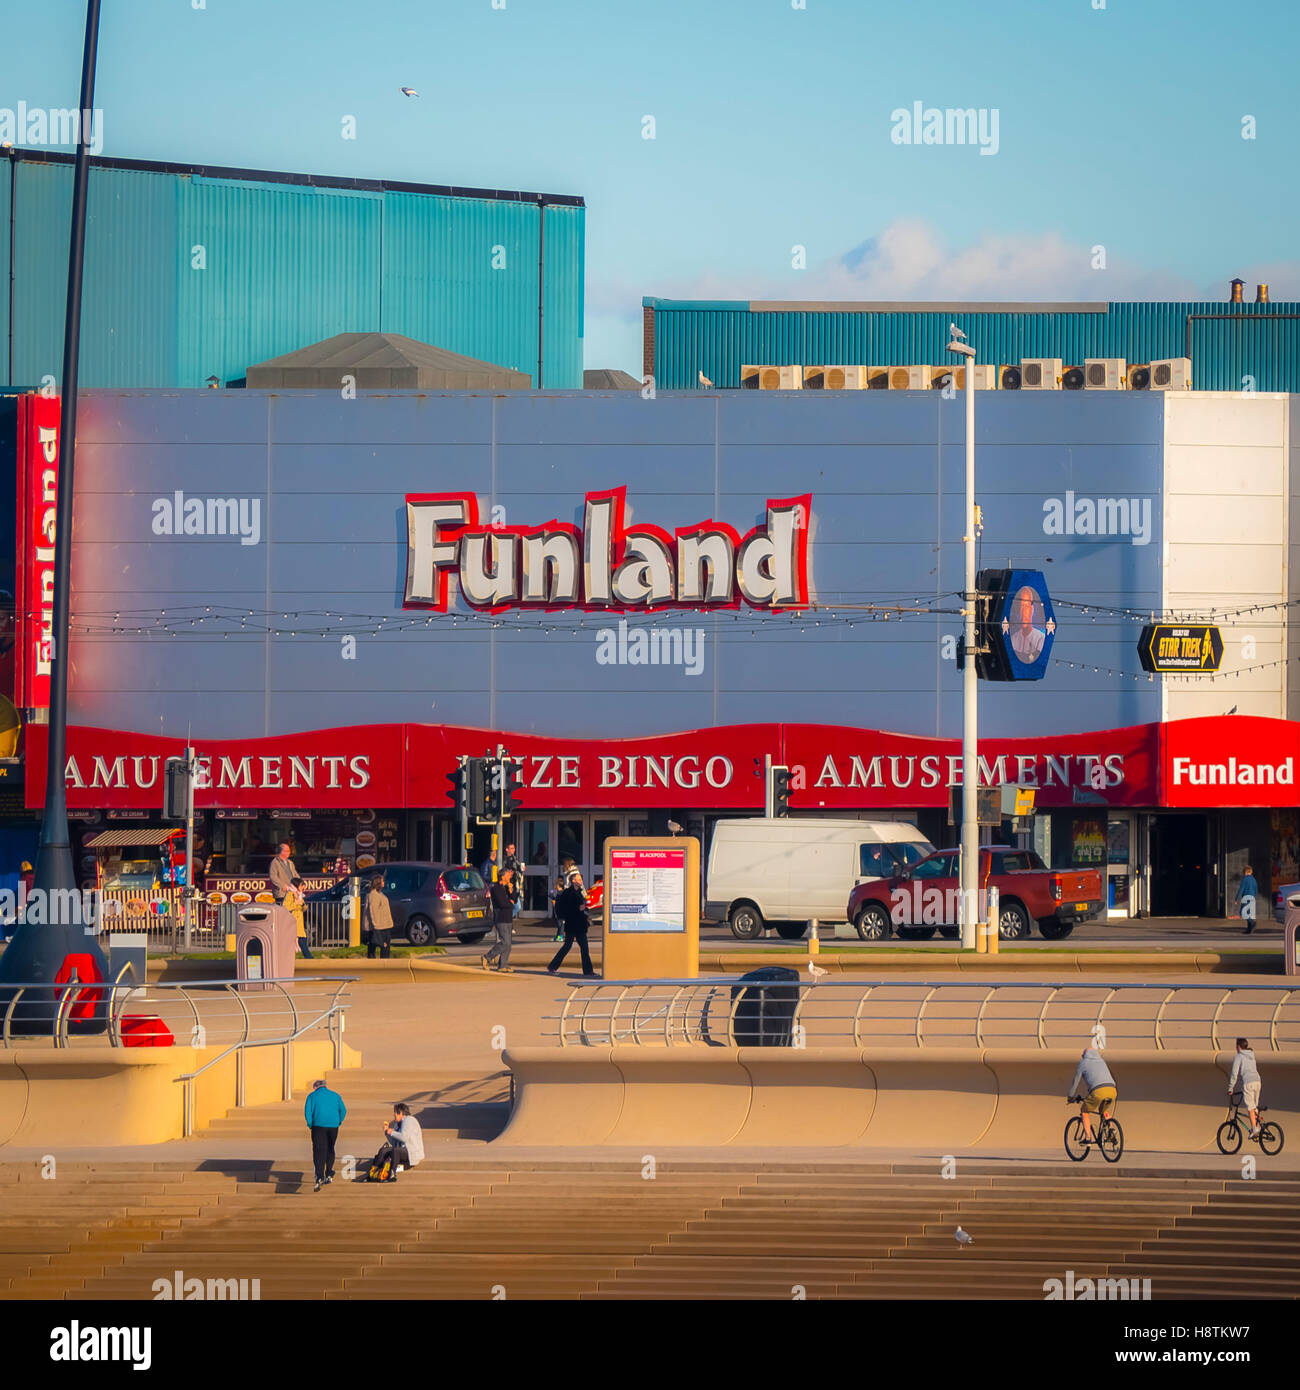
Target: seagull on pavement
(964, 1237)
(705, 382)
(815, 971)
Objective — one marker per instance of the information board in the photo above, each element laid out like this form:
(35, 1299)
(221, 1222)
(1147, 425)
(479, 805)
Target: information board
(646, 890)
(650, 919)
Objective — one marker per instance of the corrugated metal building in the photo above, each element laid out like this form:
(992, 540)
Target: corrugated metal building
(1227, 342)
(194, 272)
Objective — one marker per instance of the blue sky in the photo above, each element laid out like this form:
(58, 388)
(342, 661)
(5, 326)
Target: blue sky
(1118, 127)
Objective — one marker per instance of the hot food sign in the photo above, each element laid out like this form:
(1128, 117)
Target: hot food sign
(604, 564)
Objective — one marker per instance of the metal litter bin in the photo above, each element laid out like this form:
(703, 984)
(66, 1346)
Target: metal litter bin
(266, 941)
(763, 1005)
(1291, 934)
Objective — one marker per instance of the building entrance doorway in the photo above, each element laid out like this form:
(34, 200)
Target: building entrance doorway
(1183, 878)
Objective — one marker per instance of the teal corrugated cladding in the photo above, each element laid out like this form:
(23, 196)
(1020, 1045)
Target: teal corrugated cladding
(462, 273)
(565, 282)
(189, 275)
(1257, 340)
(440, 285)
(129, 323)
(6, 374)
(285, 267)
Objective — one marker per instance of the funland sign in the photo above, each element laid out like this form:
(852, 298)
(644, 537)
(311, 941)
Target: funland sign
(606, 565)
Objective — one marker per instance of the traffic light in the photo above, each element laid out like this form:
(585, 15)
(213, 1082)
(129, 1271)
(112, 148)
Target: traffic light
(491, 789)
(514, 782)
(478, 776)
(780, 791)
(176, 786)
(456, 792)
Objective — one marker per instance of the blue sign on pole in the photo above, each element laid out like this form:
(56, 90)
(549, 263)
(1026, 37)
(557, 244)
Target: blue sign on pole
(1019, 626)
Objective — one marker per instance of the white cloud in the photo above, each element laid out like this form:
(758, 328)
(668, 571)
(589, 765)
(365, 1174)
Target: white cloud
(910, 260)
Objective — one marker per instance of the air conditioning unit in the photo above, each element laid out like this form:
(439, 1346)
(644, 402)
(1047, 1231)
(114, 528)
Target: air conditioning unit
(835, 378)
(771, 378)
(1040, 373)
(1104, 373)
(986, 377)
(1072, 379)
(1171, 374)
(877, 378)
(909, 378)
(1009, 377)
(1139, 376)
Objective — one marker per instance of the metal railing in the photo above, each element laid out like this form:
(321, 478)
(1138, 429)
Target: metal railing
(159, 914)
(198, 1013)
(331, 1016)
(926, 1013)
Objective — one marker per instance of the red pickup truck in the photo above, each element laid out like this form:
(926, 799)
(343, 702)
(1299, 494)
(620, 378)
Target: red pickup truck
(920, 900)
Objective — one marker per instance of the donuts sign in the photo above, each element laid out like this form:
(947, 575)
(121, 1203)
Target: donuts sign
(604, 564)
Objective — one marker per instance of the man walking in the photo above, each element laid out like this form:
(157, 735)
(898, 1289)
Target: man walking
(325, 1112)
(286, 890)
(571, 913)
(1247, 895)
(503, 910)
(488, 868)
(378, 920)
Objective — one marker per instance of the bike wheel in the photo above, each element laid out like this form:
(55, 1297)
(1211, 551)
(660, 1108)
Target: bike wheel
(1075, 1140)
(1229, 1137)
(1271, 1138)
(1111, 1141)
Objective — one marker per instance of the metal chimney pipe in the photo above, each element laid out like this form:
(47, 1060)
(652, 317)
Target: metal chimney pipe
(1236, 291)
(1261, 294)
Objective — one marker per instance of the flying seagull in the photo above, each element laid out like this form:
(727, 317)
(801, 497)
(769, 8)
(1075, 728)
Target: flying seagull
(409, 92)
(705, 382)
(964, 1237)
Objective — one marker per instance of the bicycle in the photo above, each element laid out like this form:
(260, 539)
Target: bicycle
(1110, 1135)
(1270, 1137)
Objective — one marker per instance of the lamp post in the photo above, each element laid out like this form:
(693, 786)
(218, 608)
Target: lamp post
(63, 942)
(970, 844)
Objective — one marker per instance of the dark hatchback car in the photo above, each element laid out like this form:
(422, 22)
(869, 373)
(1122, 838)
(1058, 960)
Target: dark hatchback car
(428, 901)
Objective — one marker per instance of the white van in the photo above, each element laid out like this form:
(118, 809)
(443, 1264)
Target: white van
(784, 871)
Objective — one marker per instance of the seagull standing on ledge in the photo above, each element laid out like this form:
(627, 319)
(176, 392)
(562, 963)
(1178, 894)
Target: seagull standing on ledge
(705, 382)
(815, 971)
(964, 1237)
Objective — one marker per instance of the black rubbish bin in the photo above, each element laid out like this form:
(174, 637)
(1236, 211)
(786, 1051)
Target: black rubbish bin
(763, 1006)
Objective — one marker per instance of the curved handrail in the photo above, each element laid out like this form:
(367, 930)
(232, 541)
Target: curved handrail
(676, 1001)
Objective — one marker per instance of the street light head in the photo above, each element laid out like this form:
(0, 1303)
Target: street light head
(961, 348)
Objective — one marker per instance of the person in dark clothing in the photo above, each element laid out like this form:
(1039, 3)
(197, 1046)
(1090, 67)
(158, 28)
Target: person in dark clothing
(571, 913)
(513, 863)
(503, 910)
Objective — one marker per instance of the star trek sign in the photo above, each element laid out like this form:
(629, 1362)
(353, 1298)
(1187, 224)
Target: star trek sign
(604, 565)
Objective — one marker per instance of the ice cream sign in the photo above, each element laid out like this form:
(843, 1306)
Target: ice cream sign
(604, 564)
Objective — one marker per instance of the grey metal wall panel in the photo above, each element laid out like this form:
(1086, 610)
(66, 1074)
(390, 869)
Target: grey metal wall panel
(885, 528)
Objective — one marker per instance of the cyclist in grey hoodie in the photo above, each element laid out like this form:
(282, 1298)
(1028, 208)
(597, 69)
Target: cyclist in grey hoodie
(1243, 1084)
(1095, 1086)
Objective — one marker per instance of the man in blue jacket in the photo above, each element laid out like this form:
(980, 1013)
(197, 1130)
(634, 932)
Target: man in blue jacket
(325, 1112)
(1247, 894)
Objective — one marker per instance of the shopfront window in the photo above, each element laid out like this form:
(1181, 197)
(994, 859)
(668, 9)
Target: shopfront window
(323, 846)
